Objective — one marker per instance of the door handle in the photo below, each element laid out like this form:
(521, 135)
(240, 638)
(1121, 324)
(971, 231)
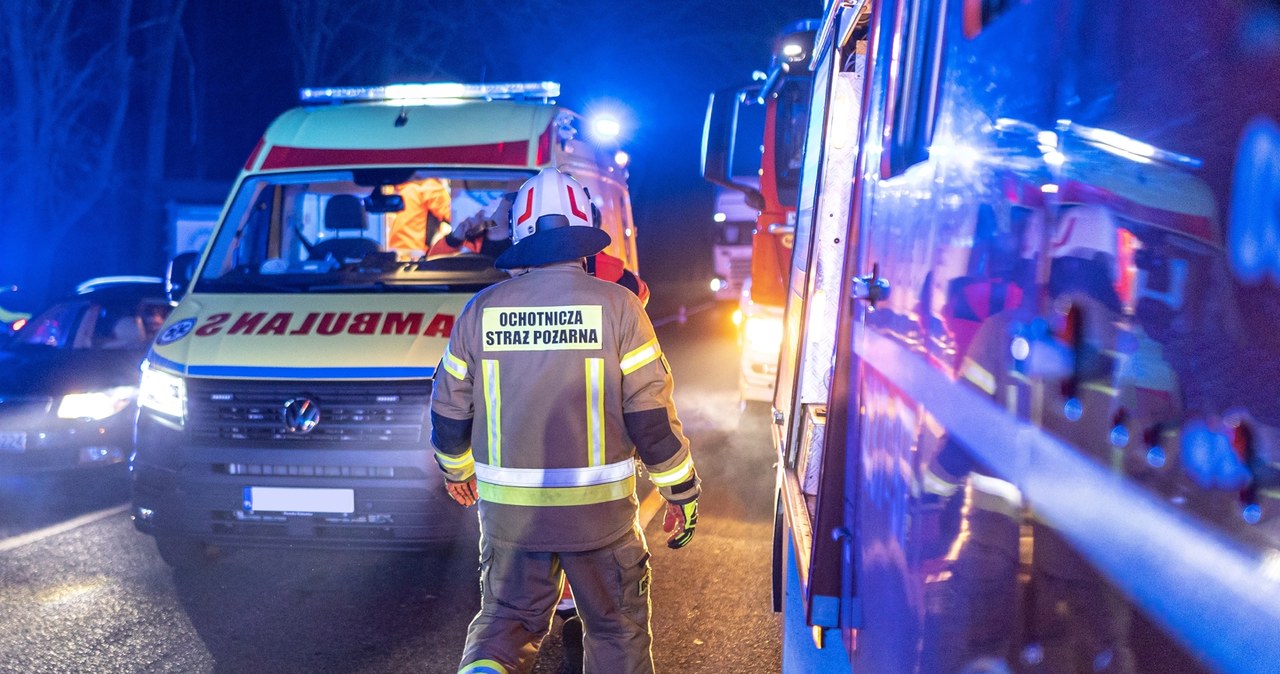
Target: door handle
(870, 289)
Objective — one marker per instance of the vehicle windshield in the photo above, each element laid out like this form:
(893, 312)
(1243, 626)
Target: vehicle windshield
(88, 324)
(368, 230)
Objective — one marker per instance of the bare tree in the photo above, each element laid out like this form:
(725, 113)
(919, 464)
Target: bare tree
(346, 42)
(66, 67)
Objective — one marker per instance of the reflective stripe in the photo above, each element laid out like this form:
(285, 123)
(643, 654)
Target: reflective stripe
(673, 477)
(555, 477)
(979, 376)
(493, 410)
(454, 365)
(1109, 391)
(462, 462)
(484, 667)
(937, 484)
(556, 496)
(595, 411)
(640, 357)
(997, 491)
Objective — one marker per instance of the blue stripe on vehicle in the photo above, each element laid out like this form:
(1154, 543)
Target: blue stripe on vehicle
(156, 359)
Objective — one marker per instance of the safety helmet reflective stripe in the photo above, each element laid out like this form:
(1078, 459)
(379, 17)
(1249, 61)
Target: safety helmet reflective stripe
(549, 193)
(555, 496)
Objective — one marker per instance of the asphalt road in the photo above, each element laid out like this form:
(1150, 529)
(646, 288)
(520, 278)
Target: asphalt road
(81, 591)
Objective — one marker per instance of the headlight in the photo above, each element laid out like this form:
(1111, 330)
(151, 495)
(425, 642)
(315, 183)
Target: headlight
(162, 392)
(763, 334)
(96, 405)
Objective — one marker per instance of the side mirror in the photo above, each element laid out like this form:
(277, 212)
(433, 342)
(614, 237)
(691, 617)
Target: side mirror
(178, 277)
(719, 140)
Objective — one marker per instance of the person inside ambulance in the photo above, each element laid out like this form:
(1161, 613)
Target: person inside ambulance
(552, 383)
(487, 231)
(488, 234)
(425, 218)
(1092, 385)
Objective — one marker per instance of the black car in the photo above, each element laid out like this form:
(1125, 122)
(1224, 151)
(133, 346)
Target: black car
(69, 377)
(14, 309)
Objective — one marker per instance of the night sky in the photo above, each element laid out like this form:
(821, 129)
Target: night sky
(655, 61)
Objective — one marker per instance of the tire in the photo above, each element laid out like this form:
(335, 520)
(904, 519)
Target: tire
(185, 553)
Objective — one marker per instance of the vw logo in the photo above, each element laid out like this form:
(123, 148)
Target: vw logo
(300, 415)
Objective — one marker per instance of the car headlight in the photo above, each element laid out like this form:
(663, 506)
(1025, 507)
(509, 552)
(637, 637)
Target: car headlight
(763, 334)
(96, 405)
(163, 392)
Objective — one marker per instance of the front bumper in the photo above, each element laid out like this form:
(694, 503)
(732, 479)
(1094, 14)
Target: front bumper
(43, 443)
(199, 492)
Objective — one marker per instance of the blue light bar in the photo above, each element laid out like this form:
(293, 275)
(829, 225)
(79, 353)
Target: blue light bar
(432, 91)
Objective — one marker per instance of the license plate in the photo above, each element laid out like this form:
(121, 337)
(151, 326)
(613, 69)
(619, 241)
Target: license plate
(13, 442)
(299, 500)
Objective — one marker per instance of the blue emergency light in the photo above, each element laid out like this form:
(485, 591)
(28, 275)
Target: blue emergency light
(430, 91)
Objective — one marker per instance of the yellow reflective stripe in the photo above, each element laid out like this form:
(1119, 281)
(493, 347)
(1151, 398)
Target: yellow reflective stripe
(673, 477)
(465, 460)
(595, 411)
(493, 410)
(454, 365)
(556, 477)
(1105, 390)
(979, 376)
(556, 496)
(484, 667)
(640, 357)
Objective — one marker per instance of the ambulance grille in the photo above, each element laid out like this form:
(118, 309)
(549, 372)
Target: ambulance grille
(384, 414)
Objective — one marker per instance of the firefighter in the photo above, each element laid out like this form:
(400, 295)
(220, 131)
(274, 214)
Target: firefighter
(552, 384)
(1100, 374)
(490, 235)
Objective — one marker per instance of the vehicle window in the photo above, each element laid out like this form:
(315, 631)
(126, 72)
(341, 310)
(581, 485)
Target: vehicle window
(354, 231)
(792, 121)
(54, 327)
(915, 93)
(979, 13)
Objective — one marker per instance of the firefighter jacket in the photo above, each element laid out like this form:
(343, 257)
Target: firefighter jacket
(552, 383)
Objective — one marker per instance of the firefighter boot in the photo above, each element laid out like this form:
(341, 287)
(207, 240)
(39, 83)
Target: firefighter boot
(571, 636)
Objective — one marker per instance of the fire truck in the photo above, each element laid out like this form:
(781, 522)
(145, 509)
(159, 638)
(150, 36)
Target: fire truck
(733, 221)
(284, 402)
(1026, 413)
(729, 139)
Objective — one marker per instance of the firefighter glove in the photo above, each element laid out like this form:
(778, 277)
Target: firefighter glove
(463, 492)
(680, 520)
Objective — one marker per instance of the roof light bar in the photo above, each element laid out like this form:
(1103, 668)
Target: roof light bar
(431, 91)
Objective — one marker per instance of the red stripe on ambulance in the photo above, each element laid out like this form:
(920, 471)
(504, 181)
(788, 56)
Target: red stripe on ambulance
(514, 153)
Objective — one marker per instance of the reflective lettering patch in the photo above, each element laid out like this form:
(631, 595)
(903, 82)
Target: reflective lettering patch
(542, 328)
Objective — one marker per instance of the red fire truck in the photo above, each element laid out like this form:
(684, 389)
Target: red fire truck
(1027, 412)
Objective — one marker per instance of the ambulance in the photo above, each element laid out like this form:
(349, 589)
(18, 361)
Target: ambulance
(285, 400)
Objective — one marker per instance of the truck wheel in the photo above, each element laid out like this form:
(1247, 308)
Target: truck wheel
(185, 553)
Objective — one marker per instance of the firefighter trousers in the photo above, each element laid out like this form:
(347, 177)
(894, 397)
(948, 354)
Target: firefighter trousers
(519, 591)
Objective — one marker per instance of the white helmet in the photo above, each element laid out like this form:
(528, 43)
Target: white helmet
(551, 222)
(1085, 232)
(1091, 234)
